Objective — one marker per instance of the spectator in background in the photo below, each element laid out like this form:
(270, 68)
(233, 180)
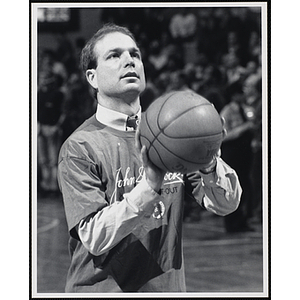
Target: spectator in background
(232, 69)
(79, 104)
(211, 32)
(65, 54)
(251, 68)
(158, 57)
(242, 22)
(183, 29)
(48, 63)
(162, 55)
(162, 82)
(233, 44)
(198, 72)
(253, 92)
(211, 86)
(177, 82)
(155, 23)
(254, 46)
(183, 25)
(237, 152)
(50, 118)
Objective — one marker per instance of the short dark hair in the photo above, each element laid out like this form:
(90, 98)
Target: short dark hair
(88, 60)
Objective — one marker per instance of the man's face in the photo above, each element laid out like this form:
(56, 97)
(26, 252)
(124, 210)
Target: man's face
(120, 71)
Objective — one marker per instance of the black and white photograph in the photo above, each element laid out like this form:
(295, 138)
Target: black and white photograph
(149, 150)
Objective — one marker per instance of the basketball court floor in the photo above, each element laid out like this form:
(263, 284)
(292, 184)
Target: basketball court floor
(215, 261)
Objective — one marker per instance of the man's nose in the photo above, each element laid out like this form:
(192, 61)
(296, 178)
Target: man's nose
(128, 59)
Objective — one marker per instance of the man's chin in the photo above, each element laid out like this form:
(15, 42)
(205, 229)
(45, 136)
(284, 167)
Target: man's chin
(130, 93)
(133, 88)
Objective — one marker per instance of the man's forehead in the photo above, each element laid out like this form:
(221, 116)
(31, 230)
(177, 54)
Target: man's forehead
(115, 40)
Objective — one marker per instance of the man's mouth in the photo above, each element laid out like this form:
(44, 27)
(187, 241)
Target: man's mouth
(130, 75)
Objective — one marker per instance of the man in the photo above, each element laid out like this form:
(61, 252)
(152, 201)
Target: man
(124, 214)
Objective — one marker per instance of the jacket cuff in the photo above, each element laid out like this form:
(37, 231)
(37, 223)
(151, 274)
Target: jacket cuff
(143, 197)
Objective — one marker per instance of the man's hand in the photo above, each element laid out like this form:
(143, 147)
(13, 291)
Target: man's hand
(224, 131)
(154, 175)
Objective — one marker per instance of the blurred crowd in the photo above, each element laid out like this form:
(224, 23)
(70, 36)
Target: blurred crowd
(214, 51)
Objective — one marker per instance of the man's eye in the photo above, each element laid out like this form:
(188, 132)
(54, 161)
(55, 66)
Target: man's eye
(136, 55)
(113, 55)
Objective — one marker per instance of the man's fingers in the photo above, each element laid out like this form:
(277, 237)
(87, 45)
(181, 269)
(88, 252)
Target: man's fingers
(138, 144)
(223, 121)
(144, 156)
(224, 131)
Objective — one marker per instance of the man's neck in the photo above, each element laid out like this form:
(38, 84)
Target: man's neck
(128, 106)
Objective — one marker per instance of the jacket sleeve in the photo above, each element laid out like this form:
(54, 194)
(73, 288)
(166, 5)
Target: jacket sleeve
(218, 192)
(90, 218)
(103, 230)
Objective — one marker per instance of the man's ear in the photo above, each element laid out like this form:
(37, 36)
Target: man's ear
(91, 77)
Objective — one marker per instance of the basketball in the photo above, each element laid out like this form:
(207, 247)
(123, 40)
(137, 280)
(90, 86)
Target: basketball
(182, 131)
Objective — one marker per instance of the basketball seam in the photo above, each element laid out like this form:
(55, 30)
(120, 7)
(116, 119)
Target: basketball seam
(160, 129)
(192, 137)
(157, 153)
(193, 162)
(149, 127)
(146, 119)
(163, 129)
(151, 142)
